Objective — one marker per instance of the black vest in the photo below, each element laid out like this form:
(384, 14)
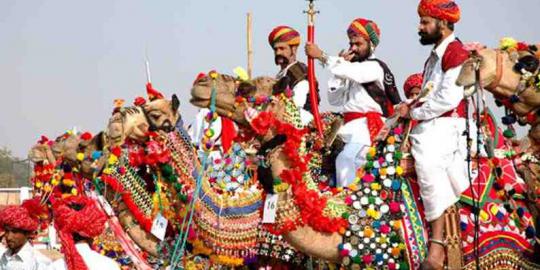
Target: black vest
(295, 74)
(388, 96)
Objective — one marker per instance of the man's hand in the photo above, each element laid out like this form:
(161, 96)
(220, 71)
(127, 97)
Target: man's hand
(313, 51)
(403, 110)
(347, 55)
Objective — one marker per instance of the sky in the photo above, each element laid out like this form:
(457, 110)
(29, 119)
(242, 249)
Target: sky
(63, 62)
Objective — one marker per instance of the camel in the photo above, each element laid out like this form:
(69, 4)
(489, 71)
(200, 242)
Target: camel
(131, 123)
(305, 238)
(498, 76)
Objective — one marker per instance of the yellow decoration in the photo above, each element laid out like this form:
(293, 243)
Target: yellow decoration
(74, 191)
(107, 171)
(55, 182)
(399, 170)
(391, 140)
(376, 186)
(372, 151)
(397, 224)
(113, 159)
(368, 232)
(241, 73)
(382, 171)
(80, 156)
(483, 215)
(508, 43)
(68, 182)
(39, 184)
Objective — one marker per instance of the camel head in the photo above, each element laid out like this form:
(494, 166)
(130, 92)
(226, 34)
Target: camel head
(162, 114)
(66, 146)
(41, 153)
(127, 123)
(227, 90)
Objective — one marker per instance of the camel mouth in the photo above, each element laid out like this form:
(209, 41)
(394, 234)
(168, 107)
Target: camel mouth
(469, 90)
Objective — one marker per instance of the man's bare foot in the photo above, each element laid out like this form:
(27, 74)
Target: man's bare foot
(435, 259)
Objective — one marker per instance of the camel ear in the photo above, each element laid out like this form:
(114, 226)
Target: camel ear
(175, 103)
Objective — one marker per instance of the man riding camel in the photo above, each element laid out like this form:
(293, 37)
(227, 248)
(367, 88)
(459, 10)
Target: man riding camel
(438, 144)
(284, 40)
(364, 88)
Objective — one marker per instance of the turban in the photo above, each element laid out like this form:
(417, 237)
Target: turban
(367, 29)
(25, 217)
(412, 81)
(284, 34)
(446, 10)
(88, 222)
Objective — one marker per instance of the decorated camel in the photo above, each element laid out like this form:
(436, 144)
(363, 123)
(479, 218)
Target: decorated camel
(338, 225)
(511, 74)
(90, 156)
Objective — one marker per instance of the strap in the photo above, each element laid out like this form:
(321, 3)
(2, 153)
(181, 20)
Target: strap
(436, 241)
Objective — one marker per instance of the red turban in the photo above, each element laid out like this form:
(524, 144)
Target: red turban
(25, 217)
(88, 222)
(446, 10)
(367, 29)
(284, 34)
(412, 81)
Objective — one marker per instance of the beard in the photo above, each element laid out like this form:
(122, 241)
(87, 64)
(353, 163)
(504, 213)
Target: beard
(430, 38)
(360, 57)
(281, 60)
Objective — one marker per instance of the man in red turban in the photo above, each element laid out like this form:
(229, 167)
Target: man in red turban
(20, 224)
(78, 220)
(438, 147)
(413, 85)
(364, 89)
(284, 40)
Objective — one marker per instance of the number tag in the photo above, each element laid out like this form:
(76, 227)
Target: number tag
(270, 207)
(159, 227)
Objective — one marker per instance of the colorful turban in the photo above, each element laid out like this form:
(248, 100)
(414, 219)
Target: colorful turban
(25, 217)
(367, 29)
(446, 10)
(88, 222)
(412, 81)
(284, 34)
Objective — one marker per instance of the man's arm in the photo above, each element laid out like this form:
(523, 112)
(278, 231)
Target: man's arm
(444, 99)
(359, 72)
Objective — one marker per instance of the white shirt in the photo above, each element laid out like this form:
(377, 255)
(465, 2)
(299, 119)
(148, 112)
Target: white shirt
(446, 95)
(345, 88)
(25, 259)
(300, 93)
(199, 125)
(92, 259)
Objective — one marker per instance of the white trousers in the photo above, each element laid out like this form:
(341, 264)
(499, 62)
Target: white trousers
(440, 150)
(355, 134)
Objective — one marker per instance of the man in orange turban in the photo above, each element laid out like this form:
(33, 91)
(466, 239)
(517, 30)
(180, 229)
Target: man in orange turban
(284, 40)
(438, 147)
(363, 87)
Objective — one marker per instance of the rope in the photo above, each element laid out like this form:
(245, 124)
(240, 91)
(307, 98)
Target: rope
(180, 245)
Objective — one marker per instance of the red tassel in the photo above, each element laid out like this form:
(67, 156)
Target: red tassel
(153, 93)
(228, 133)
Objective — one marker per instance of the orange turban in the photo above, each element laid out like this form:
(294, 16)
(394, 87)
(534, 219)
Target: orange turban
(446, 10)
(367, 29)
(412, 81)
(284, 34)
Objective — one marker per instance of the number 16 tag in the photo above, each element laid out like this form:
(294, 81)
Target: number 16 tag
(159, 227)
(270, 207)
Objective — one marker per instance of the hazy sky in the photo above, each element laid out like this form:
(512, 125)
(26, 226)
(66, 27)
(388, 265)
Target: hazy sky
(62, 62)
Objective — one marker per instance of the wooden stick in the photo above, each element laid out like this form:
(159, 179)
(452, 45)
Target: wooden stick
(249, 45)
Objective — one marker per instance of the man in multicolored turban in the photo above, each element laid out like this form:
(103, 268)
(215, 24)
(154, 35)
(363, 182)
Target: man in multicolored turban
(78, 220)
(284, 40)
(364, 88)
(441, 167)
(20, 224)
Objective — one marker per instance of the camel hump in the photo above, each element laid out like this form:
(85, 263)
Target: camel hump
(454, 56)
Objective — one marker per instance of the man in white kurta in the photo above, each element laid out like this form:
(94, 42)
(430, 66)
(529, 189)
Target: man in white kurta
(438, 144)
(351, 70)
(284, 40)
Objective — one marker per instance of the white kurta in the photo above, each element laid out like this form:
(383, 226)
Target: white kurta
(300, 93)
(25, 259)
(438, 145)
(346, 91)
(92, 259)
